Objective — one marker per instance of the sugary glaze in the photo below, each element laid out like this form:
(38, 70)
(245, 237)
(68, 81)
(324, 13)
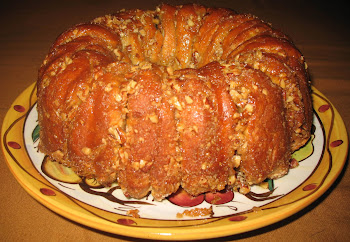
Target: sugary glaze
(189, 96)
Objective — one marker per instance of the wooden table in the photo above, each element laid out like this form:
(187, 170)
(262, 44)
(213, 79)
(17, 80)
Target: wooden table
(319, 30)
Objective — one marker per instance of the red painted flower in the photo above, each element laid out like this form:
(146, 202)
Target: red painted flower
(219, 197)
(323, 108)
(336, 143)
(183, 199)
(14, 145)
(310, 187)
(19, 108)
(237, 218)
(126, 221)
(47, 192)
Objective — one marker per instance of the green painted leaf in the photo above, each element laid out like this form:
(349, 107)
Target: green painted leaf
(305, 151)
(59, 172)
(35, 133)
(271, 184)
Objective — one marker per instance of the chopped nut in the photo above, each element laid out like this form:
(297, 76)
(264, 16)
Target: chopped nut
(282, 75)
(133, 83)
(142, 163)
(256, 65)
(180, 127)
(154, 118)
(249, 107)
(144, 66)
(118, 97)
(196, 212)
(108, 88)
(68, 60)
(179, 158)
(136, 165)
(244, 190)
(264, 185)
(235, 94)
(236, 115)
(155, 21)
(45, 82)
(117, 53)
(126, 155)
(57, 154)
(188, 99)
(133, 213)
(170, 70)
(190, 22)
(259, 54)
(177, 87)
(113, 131)
(236, 71)
(232, 180)
(263, 68)
(290, 99)
(142, 32)
(295, 108)
(236, 159)
(283, 84)
(75, 31)
(176, 103)
(86, 151)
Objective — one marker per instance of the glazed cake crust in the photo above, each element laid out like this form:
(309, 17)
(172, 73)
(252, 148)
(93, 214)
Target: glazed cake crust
(201, 98)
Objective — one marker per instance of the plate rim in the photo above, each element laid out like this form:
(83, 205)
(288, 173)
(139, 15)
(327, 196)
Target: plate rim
(186, 232)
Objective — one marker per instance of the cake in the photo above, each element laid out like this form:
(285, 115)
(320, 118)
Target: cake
(182, 96)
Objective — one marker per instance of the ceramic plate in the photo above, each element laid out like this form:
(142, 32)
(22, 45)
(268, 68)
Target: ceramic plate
(220, 214)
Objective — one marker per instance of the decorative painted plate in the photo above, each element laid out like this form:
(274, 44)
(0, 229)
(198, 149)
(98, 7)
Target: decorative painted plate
(180, 216)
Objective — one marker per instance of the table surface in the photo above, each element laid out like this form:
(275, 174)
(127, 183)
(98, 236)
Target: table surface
(320, 31)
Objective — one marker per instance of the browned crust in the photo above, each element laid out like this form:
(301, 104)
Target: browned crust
(183, 95)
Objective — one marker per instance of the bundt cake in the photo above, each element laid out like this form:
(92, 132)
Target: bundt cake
(182, 96)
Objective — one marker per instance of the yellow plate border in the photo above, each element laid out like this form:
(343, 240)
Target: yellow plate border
(18, 161)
